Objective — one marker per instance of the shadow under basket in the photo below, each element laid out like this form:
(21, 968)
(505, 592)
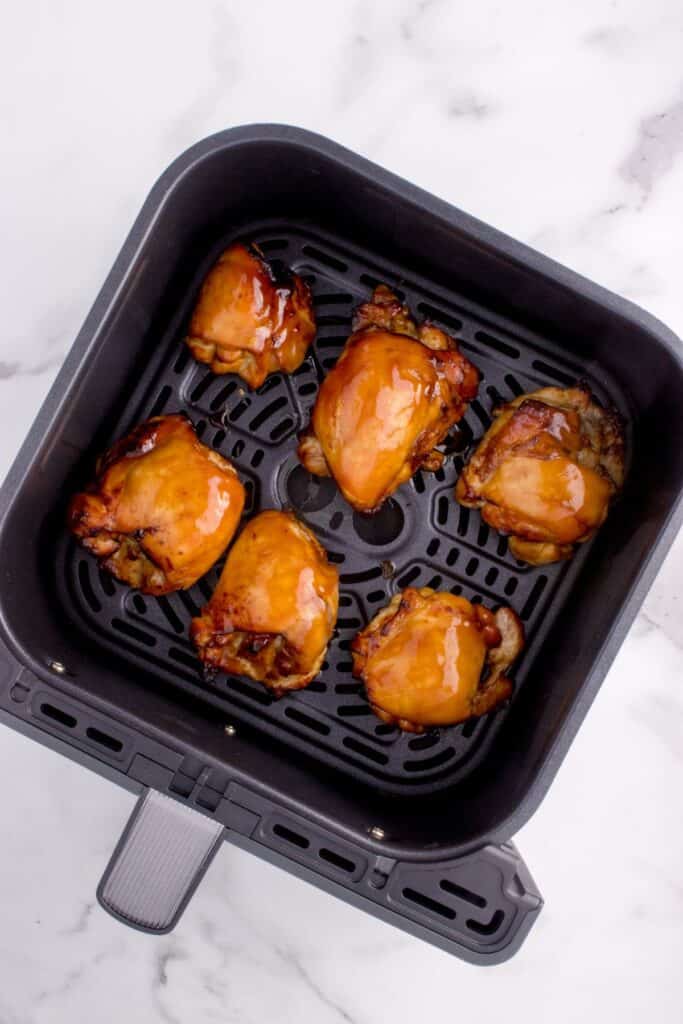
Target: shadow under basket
(414, 829)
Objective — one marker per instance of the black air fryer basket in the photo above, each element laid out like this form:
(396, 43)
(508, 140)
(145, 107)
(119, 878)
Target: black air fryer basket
(414, 829)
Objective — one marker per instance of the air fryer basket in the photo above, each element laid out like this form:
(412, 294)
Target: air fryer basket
(421, 537)
(402, 825)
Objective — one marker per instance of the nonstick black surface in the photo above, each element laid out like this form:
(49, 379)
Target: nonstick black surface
(421, 537)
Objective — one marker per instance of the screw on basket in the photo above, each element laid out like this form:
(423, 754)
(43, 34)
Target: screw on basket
(230, 730)
(57, 666)
(376, 832)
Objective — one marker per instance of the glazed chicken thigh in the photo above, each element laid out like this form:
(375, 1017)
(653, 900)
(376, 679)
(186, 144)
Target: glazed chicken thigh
(393, 395)
(545, 472)
(250, 318)
(433, 659)
(275, 606)
(162, 508)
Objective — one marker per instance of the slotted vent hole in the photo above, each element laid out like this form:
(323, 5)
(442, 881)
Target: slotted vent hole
(427, 903)
(514, 386)
(354, 710)
(481, 414)
(291, 837)
(308, 721)
(463, 521)
(463, 894)
(409, 577)
(495, 396)
(107, 583)
(325, 258)
(568, 379)
(534, 597)
(134, 633)
(281, 429)
(239, 410)
(254, 692)
(184, 658)
(201, 387)
(266, 413)
(336, 860)
(351, 743)
(429, 739)
(430, 763)
(169, 613)
(86, 586)
(490, 928)
(59, 716)
(161, 400)
(223, 395)
(182, 360)
(504, 347)
(104, 739)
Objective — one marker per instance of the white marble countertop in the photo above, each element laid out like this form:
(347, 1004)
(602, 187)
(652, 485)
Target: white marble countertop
(560, 124)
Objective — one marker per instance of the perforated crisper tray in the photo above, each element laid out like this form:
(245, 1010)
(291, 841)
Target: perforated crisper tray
(421, 537)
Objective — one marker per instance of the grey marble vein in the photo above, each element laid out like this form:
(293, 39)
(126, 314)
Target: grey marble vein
(82, 920)
(609, 39)
(164, 956)
(410, 21)
(469, 105)
(225, 70)
(301, 972)
(10, 370)
(662, 714)
(657, 148)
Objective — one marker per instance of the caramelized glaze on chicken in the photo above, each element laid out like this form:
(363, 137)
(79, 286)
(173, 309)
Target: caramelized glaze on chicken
(393, 395)
(432, 659)
(545, 472)
(251, 319)
(275, 606)
(162, 508)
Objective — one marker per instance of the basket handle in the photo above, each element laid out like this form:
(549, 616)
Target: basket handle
(159, 861)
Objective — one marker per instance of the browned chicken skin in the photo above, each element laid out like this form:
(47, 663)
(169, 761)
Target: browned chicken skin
(249, 320)
(162, 509)
(432, 659)
(393, 395)
(275, 606)
(545, 472)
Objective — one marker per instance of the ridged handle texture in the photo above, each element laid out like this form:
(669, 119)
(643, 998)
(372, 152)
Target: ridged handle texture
(158, 863)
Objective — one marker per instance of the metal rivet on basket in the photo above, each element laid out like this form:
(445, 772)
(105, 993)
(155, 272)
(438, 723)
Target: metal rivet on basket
(57, 666)
(376, 832)
(230, 730)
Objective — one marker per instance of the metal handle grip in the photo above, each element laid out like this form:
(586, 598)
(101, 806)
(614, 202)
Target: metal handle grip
(160, 859)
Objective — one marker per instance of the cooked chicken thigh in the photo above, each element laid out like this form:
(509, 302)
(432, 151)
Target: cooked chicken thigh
(432, 659)
(162, 508)
(275, 606)
(250, 318)
(393, 395)
(545, 472)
